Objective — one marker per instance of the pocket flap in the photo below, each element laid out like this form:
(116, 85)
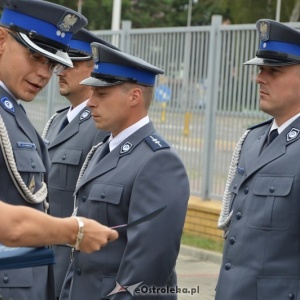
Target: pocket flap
(28, 160)
(110, 193)
(272, 185)
(67, 156)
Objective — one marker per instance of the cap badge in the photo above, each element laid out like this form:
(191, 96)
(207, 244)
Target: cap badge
(292, 134)
(264, 30)
(66, 23)
(125, 148)
(95, 53)
(85, 114)
(7, 104)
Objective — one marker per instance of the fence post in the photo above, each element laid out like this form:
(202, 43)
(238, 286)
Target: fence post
(211, 105)
(125, 36)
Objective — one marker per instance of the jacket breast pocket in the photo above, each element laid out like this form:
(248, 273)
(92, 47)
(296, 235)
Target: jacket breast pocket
(103, 200)
(22, 278)
(31, 167)
(277, 288)
(271, 208)
(65, 168)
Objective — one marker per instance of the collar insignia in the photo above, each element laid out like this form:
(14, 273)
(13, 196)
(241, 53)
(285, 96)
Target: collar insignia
(85, 114)
(125, 148)
(292, 134)
(7, 104)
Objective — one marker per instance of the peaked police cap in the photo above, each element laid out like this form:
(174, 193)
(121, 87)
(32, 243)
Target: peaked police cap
(43, 27)
(114, 67)
(80, 45)
(279, 44)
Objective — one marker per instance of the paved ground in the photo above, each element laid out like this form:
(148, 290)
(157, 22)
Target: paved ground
(197, 272)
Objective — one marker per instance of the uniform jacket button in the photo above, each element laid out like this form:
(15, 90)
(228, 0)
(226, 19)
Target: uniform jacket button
(102, 196)
(64, 157)
(83, 198)
(246, 190)
(272, 189)
(232, 240)
(291, 296)
(238, 215)
(227, 266)
(5, 279)
(78, 271)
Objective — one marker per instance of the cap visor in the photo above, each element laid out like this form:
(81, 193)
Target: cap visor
(59, 56)
(92, 81)
(269, 62)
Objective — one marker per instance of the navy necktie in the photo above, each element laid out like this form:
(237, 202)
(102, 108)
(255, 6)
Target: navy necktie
(105, 150)
(64, 124)
(272, 135)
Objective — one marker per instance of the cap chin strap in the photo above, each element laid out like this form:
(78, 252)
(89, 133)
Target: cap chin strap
(41, 195)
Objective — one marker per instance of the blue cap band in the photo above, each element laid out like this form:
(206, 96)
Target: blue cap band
(142, 76)
(280, 47)
(45, 29)
(81, 46)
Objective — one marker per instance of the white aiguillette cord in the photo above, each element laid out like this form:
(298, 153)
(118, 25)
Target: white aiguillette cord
(225, 216)
(8, 155)
(82, 170)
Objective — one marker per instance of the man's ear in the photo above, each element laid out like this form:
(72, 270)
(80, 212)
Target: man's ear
(136, 96)
(3, 38)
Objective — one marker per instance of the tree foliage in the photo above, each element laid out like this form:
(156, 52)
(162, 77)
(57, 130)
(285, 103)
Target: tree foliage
(171, 13)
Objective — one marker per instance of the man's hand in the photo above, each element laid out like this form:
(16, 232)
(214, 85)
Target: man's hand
(95, 236)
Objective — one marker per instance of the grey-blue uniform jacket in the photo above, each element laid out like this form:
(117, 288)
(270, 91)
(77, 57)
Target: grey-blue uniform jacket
(139, 176)
(32, 161)
(67, 151)
(262, 252)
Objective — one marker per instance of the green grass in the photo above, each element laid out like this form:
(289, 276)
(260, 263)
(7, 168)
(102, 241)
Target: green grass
(203, 243)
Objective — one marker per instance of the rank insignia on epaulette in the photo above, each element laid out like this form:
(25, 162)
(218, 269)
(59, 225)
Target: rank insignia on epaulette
(85, 114)
(292, 134)
(125, 148)
(155, 142)
(7, 104)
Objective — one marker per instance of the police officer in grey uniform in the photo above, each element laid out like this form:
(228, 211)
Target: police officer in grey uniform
(69, 143)
(261, 206)
(34, 38)
(140, 173)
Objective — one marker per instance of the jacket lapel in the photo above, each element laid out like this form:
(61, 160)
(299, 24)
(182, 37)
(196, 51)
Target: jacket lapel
(72, 128)
(110, 161)
(255, 161)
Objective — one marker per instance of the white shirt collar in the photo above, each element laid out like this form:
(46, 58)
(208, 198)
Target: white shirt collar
(284, 125)
(115, 141)
(2, 84)
(72, 113)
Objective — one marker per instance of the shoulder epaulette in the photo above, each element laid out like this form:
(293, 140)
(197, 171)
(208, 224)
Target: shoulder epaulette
(155, 142)
(261, 124)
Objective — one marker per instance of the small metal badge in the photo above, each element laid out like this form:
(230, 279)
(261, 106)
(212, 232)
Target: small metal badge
(7, 104)
(264, 30)
(125, 148)
(67, 22)
(85, 114)
(95, 53)
(292, 134)
(31, 186)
